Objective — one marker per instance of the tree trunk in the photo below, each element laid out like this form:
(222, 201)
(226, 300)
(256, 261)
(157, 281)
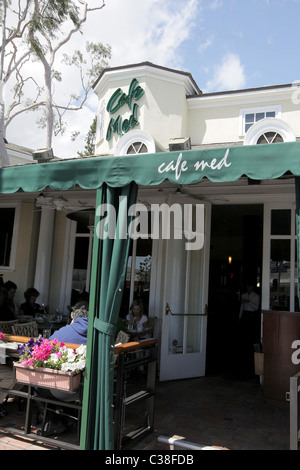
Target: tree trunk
(4, 160)
(49, 107)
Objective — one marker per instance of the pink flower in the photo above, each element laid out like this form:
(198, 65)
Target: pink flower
(1, 335)
(27, 362)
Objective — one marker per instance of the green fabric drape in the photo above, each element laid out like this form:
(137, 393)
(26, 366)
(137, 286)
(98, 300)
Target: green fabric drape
(107, 282)
(297, 187)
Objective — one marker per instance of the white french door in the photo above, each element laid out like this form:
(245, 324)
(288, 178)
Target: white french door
(184, 316)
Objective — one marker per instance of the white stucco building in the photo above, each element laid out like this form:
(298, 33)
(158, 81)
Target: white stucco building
(249, 222)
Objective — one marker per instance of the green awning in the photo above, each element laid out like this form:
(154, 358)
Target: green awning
(217, 164)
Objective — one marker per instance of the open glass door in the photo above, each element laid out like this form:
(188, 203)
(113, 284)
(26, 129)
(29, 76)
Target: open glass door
(184, 322)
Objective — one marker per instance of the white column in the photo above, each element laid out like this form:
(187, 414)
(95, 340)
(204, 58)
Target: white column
(89, 260)
(44, 254)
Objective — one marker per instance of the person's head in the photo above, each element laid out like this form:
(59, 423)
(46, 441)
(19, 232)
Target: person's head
(137, 309)
(31, 294)
(80, 310)
(11, 288)
(3, 295)
(249, 287)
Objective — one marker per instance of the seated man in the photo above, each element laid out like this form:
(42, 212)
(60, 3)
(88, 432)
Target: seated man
(76, 332)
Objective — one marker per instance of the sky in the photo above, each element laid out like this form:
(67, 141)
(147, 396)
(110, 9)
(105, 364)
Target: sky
(224, 44)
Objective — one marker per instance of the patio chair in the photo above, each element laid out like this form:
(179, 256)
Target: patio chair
(26, 329)
(122, 337)
(151, 322)
(6, 326)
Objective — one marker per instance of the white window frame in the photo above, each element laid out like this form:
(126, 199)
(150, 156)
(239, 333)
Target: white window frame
(255, 110)
(267, 237)
(14, 241)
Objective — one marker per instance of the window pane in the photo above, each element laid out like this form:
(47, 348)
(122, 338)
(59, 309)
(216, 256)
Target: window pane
(262, 140)
(137, 147)
(7, 217)
(249, 118)
(270, 114)
(80, 264)
(259, 116)
(247, 127)
(280, 275)
(281, 222)
(142, 273)
(277, 139)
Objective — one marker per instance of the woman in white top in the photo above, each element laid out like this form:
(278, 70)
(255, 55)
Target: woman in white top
(136, 315)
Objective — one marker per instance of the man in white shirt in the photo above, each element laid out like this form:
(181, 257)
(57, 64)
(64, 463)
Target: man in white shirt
(249, 301)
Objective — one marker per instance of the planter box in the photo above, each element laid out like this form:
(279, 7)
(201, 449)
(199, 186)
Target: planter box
(259, 363)
(47, 378)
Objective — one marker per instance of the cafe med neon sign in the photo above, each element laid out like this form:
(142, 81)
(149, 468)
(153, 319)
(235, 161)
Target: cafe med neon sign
(119, 99)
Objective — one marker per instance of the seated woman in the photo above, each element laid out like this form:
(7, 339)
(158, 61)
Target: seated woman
(31, 307)
(6, 313)
(136, 315)
(11, 288)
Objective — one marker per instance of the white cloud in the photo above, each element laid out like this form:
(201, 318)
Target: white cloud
(149, 30)
(229, 75)
(206, 44)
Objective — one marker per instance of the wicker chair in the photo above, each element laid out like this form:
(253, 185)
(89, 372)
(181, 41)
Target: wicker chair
(151, 322)
(122, 337)
(26, 329)
(7, 326)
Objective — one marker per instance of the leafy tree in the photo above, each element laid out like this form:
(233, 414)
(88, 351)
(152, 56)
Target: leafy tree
(89, 148)
(37, 30)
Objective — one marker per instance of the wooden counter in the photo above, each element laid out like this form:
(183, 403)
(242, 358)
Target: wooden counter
(280, 330)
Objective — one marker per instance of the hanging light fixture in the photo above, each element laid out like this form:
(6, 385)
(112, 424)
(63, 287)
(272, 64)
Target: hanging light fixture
(85, 217)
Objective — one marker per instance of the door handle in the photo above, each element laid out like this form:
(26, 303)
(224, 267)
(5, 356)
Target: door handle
(169, 311)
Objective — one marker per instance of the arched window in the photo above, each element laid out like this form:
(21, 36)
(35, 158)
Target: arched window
(137, 147)
(270, 138)
(135, 142)
(269, 131)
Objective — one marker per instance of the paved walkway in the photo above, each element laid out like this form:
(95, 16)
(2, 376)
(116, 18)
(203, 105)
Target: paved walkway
(211, 411)
(215, 411)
